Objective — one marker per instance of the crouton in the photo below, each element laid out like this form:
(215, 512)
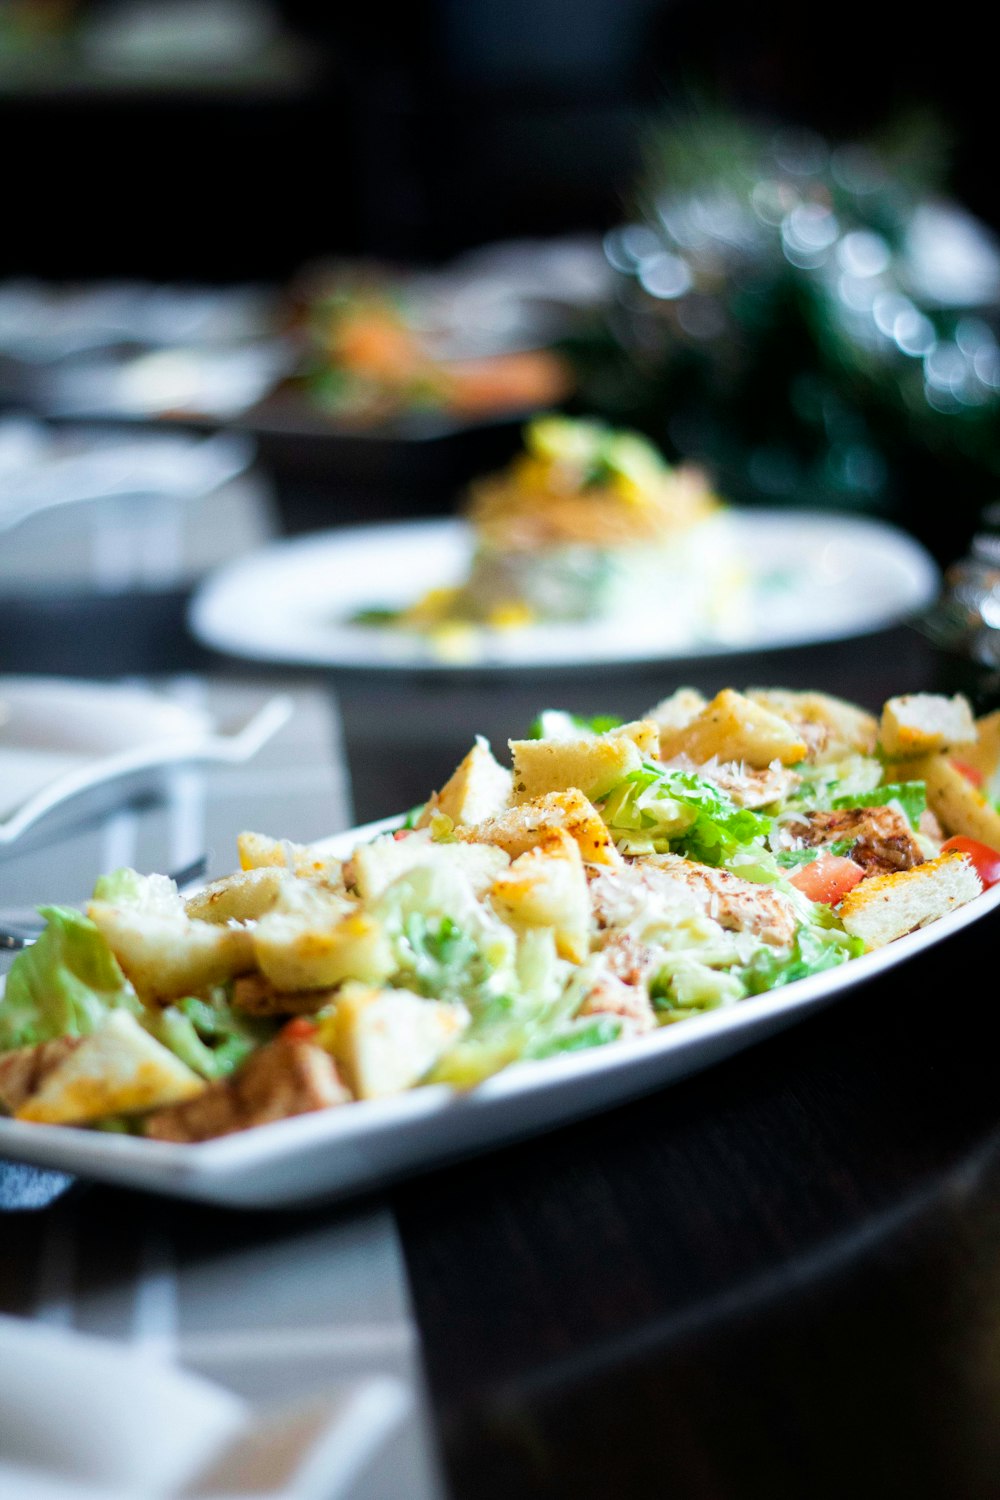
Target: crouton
(376, 865)
(921, 723)
(118, 1070)
(644, 734)
(525, 827)
(283, 1079)
(677, 709)
(732, 727)
(166, 953)
(958, 806)
(22, 1071)
(984, 754)
(479, 788)
(594, 765)
(547, 887)
(302, 949)
(237, 898)
(257, 851)
(882, 909)
(386, 1040)
(831, 727)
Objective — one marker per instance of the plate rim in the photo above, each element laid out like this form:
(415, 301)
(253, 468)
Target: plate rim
(207, 607)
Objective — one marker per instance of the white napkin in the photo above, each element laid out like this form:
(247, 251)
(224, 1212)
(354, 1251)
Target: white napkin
(84, 1418)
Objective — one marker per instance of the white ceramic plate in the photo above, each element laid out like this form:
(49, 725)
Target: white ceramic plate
(814, 577)
(363, 1146)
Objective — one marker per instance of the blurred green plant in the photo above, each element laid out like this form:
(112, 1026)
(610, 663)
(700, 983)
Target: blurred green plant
(815, 323)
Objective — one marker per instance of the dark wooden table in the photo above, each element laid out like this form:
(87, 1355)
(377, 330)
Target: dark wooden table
(780, 1278)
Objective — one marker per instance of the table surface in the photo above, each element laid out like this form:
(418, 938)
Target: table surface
(778, 1278)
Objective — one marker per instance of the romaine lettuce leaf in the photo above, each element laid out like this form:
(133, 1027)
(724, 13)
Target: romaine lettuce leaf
(64, 984)
(208, 1034)
(813, 951)
(911, 796)
(652, 810)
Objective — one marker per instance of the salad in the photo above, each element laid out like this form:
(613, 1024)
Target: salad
(587, 522)
(614, 879)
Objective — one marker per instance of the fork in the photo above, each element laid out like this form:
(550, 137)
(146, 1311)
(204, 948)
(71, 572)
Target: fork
(17, 935)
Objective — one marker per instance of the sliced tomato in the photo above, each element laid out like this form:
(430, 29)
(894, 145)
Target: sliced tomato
(299, 1029)
(828, 878)
(985, 859)
(403, 833)
(971, 773)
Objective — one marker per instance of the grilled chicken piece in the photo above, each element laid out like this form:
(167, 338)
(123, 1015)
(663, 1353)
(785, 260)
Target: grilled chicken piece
(23, 1070)
(284, 1078)
(737, 905)
(750, 788)
(254, 995)
(884, 839)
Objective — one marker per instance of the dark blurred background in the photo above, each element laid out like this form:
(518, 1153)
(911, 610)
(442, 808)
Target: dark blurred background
(418, 131)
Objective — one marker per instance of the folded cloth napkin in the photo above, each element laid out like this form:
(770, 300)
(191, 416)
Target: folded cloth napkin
(83, 1418)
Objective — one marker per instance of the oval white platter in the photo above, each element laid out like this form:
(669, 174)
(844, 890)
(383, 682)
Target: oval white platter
(813, 576)
(367, 1145)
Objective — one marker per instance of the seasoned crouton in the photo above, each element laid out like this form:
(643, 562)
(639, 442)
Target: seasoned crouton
(118, 1070)
(733, 727)
(984, 754)
(282, 1079)
(479, 788)
(921, 723)
(315, 950)
(22, 1071)
(594, 765)
(236, 898)
(165, 952)
(644, 734)
(831, 727)
(257, 851)
(959, 806)
(880, 910)
(525, 827)
(674, 713)
(547, 887)
(376, 865)
(387, 1040)
(883, 838)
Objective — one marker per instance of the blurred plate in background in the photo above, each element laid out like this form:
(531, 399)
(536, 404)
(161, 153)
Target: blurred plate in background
(811, 577)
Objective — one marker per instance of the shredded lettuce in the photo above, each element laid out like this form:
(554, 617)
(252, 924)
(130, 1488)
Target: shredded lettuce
(208, 1034)
(814, 950)
(64, 984)
(655, 811)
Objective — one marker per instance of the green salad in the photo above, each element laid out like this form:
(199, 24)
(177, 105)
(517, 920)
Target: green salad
(615, 879)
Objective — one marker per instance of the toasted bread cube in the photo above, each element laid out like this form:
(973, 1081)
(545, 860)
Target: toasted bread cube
(984, 755)
(593, 765)
(675, 711)
(644, 734)
(118, 1070)
(283, 1079)
(479, 788)
(166, 953)
(386, 1040)
(958, 806)
(319, 945)
(525, 827)
(385, 859)
(258, 851)
(22, 1071)
(734, 728)
(884, 908)
(921, 723)
(831, 727)
(243, 897)
(547, 887)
